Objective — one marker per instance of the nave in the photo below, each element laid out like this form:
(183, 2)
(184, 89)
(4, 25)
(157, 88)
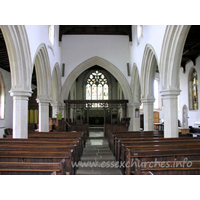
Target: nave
(97, 156)
(93, 153)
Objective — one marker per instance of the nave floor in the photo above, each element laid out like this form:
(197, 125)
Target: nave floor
(97, 158)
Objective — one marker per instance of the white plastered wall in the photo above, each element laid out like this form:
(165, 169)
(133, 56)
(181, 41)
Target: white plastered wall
(37, 35)
(152, 35)
(77, 48)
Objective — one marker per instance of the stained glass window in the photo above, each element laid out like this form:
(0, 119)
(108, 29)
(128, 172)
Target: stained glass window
(193, 90)
(105, 94)
(88, 92)
(97, 87)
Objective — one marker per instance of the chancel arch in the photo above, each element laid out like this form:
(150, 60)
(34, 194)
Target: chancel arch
(104, 64)
(97, 84)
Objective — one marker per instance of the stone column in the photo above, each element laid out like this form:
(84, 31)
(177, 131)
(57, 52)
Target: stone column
(170, 106)
(135, 120)
(20, 113)
(43, 115)
(148, 113)
(55, 109)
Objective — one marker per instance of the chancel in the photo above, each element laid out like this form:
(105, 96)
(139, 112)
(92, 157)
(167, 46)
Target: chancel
(91, 99)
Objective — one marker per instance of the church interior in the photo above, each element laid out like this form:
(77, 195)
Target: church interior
(99, 100)
(117, 97)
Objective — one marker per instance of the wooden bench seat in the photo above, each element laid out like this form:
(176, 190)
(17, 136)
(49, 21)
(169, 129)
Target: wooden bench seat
(44, 147)
(127, 147)
(160, 155)
(121, 142)
(131, 134)
(43, 150)
(32, 168)
(167, 144)
(43, 157)
(57, 135)
(191, 167)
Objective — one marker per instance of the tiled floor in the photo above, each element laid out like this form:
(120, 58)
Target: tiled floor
(97, 158)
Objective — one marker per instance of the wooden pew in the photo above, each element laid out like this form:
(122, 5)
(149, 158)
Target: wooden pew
(43, 157)
(160, 155)
(132, 135)
(42, 142)
(46, 146)
(113, 127)
(59, 135)
(32, 168)
(150, 145)
(120, 140)
(73, 134)
(168, 168)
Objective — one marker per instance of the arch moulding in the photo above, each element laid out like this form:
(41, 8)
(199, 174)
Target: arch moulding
(43, 73)
(171, 54)
(102, 63)
(149, 63)
(18, 49)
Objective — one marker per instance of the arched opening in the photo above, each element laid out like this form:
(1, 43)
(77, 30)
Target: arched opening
(32, 104)
(104, 64)
(17, 67)
(56, 92)
(149, 71)
(137, 122)
(2, 97)
(170, 62)
(95, 83)
(42, 77)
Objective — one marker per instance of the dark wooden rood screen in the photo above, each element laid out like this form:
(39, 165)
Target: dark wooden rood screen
(79, 111)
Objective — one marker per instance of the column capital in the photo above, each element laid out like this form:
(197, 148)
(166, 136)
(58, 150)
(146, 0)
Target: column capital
(43, 100)
(172, 93)
(148, 100)
(20, 93)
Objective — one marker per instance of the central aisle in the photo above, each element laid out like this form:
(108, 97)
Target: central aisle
(97, 158)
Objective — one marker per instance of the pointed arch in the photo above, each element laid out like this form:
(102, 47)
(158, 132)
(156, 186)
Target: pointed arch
(149, 63)
(18, 49)
(43, 73)
(104, 64)
(56, 84)
(171, 54)
(135, 84)
(2, 97)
